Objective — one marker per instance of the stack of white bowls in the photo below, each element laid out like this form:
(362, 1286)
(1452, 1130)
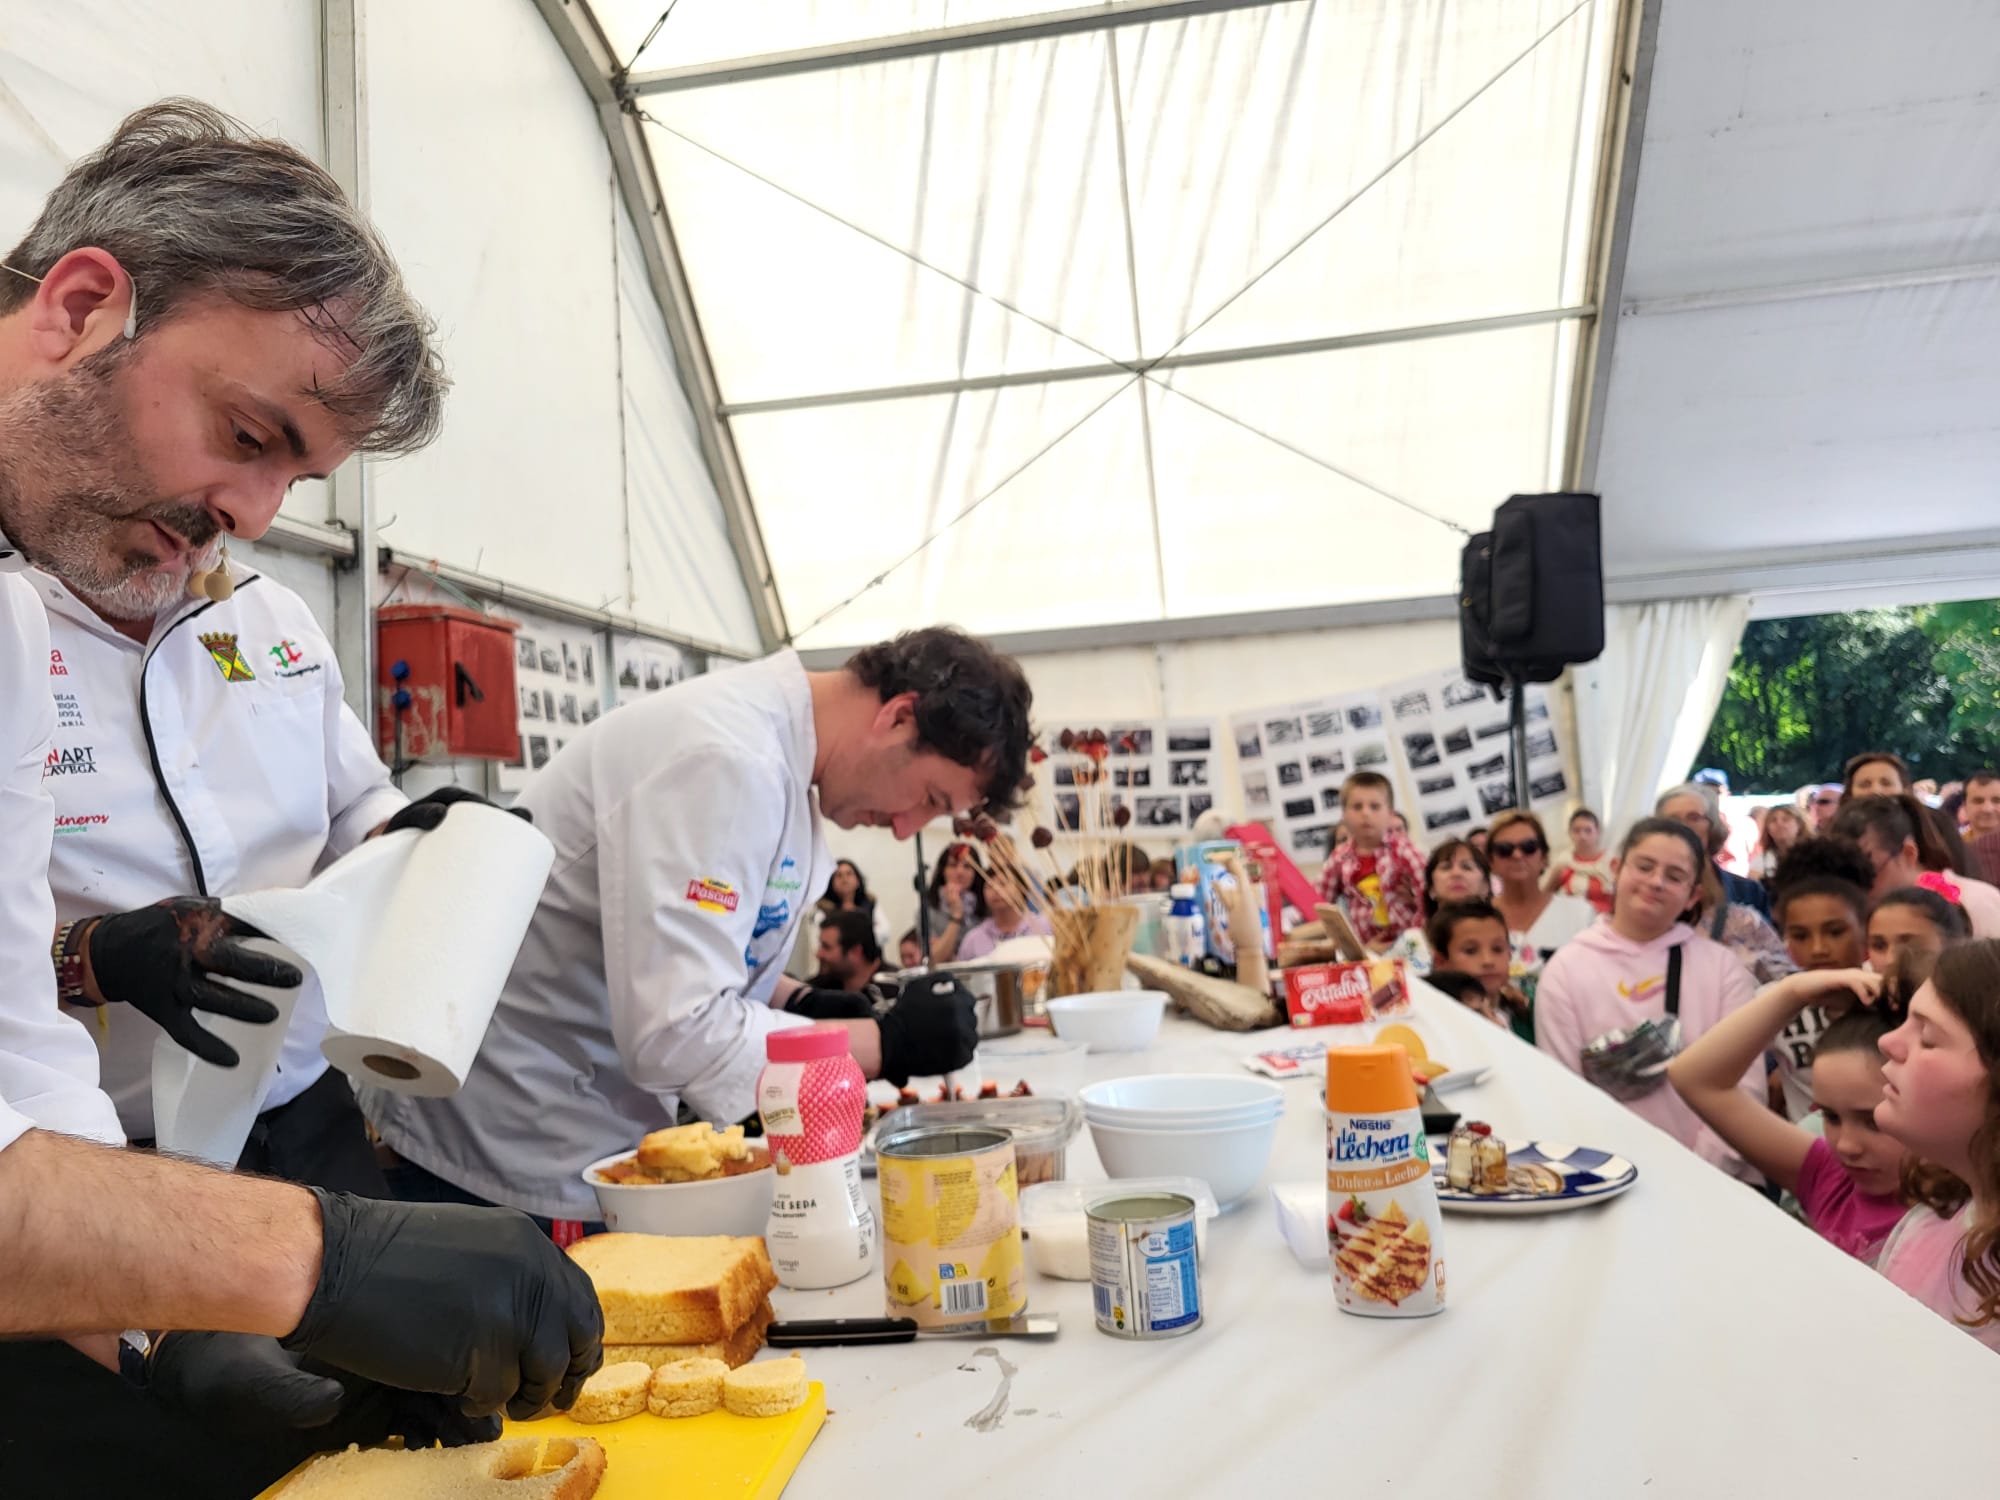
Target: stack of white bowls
(1215, 1126)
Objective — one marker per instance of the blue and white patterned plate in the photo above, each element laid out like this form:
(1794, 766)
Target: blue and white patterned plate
(1589, 1176)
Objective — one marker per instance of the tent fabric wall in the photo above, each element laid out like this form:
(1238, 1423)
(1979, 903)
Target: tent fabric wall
(1812, 293)
(1643, 708)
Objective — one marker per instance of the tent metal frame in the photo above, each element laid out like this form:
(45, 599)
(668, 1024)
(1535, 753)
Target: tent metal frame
(932, 42)
(597, 68)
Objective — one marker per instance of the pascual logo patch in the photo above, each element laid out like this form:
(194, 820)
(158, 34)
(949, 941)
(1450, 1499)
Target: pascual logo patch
(71, 760)
(712, 895)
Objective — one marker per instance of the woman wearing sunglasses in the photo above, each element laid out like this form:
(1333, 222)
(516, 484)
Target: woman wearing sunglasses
(1538, 921)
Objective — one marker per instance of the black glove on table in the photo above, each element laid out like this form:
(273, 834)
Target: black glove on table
(472, 1303)
(158, 960)
(428, 811)
(241, 1383)
(933, 1028)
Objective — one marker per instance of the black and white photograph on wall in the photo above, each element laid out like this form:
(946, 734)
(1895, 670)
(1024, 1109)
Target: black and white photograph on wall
(1069, 810)
(590, 710)
(1541, 743)
(520, 753)
(1491, 731)
(656, 676)
(1284, 731)
(1311, 842)
(1256, 790)
(1300, 808)
(1135, 739)
(1492, 765)
(1364, 715)
(589, 658)
(1188, 772)
(1495, 796)
(538, 751)
(1157, 812)
(1374, 753)
(628, 675)
(1197, 804)
(567, 712)
(1434, 786)
(1121, 775)
(1447, 817)
(1291, 773)
(1065, 774)
(1538, 706)
(1189, 739)
(1142, 776)
(1458, 741)
(1415, 704)
(548, 705)
(570, 669)
(1460, 692)
(1327, 763)
(1329, 799)
(531, 703)
(1555, 784)
(552, 661)
(1323, 724)
(1421, 749)
(1249, 744)
(524, 652)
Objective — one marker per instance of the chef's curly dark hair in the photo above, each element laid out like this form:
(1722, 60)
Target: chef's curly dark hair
(972, 703)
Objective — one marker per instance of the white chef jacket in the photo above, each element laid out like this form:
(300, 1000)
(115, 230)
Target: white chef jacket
(48, 1069)
(688, 852)
(217, 758)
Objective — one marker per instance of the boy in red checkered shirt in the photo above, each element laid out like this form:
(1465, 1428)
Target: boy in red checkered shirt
(1377, 877)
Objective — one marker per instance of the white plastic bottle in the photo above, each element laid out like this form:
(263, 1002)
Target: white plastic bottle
(1382, 1215)
(811, 1094)
(1186, 941)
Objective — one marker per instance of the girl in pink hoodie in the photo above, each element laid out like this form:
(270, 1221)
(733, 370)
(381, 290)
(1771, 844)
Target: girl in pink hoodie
(1614, 977)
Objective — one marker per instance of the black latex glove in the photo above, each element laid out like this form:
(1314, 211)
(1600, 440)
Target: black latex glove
(428, 811)
(242, 1382)
(933, 1028)
(830, 1005)
(472, 1303)
(158, 960)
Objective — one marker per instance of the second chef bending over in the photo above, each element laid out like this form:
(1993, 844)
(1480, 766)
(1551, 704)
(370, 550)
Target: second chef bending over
(688, 853)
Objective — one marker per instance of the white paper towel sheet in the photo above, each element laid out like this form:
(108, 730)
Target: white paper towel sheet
(410, 938)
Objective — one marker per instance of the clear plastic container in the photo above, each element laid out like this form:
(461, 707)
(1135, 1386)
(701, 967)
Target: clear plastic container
(1058, 1234)
(1044, 1061)
(1042, 1128)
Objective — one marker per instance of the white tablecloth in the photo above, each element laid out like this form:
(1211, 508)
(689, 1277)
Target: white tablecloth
(1685, 1340)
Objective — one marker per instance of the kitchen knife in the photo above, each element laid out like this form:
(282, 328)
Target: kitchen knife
(809, 1333)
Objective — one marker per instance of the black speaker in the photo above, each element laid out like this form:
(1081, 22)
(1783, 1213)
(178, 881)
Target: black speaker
(1531, 590)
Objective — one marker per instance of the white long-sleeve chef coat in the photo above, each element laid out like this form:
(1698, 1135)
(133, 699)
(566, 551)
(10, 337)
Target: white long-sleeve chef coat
(688, 853)
(48, 1069)
(216, 758)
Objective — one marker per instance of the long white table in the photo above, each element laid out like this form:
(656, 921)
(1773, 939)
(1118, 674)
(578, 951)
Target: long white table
(1686, 1339)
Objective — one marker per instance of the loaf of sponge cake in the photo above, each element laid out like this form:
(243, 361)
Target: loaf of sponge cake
(661, 1289)
(520, 1468)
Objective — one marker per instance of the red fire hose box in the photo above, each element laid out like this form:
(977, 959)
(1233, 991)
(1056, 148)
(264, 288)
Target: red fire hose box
(457, 666)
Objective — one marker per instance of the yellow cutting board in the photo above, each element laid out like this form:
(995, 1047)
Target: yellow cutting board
(720, 1455)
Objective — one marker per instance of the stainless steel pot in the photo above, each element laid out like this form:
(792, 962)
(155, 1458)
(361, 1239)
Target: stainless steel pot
(1001, 991)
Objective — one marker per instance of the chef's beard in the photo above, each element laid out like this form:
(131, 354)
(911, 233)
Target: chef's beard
(69, 477)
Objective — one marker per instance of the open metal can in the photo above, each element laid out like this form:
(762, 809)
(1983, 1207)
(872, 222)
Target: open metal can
(951, 1225)
(1145, 1265)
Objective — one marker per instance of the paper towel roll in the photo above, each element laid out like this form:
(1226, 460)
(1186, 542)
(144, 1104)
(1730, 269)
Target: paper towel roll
(204, 1111)
(411, 937)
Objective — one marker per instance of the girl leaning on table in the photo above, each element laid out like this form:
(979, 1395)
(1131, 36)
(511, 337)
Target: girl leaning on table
(1617, 1001)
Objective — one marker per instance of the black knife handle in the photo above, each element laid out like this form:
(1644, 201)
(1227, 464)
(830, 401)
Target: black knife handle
(809, 1333)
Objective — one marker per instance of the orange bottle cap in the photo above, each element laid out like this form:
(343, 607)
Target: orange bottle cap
(1369, 1080)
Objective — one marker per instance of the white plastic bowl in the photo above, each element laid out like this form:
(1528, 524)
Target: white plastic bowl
(1206, 1122)
(1230, 1159)
(1110, 1020)
(1169, 1097)
(728, 1205)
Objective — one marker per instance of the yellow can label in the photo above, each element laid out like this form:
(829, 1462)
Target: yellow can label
(951, 1227)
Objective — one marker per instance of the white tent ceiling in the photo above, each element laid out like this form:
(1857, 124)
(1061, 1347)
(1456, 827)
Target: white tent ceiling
(1248, 308)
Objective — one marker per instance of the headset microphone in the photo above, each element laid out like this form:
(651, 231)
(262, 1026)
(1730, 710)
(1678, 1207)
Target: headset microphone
(213, 583)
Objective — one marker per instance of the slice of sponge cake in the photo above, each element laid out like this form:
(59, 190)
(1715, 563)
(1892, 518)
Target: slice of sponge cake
(661, 1289)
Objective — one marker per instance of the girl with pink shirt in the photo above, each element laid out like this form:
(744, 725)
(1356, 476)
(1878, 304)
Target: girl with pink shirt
(1941, 1099)
(1849, 1181)
(1615, 1002)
